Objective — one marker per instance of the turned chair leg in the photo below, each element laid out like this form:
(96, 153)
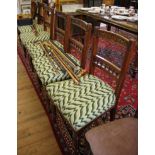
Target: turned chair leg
(112, 114)
(76, 142)
(53, 112)
(24, 50)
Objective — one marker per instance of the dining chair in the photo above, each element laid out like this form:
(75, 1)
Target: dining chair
(83, 105)
(49, 70)
(33, 50)
(38, 30)
(34, 9)
(119, 137)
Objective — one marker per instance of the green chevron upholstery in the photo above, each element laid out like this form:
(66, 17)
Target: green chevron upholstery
(81, 104)
(36, 51)
(25, 29)
(58, 44)
(30, 37)
(49, 71)
(39, 27)
(28, 28)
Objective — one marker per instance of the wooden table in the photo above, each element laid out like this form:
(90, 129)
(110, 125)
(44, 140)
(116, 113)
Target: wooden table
(131, 27)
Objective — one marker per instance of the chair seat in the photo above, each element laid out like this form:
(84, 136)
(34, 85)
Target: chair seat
(28, 28)
(49, 71)
(119, 137)
(31, 37)
(36, 51)
(81, 104)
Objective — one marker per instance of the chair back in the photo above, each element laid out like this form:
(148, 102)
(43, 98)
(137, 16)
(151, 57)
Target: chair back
(59, 26)
(48, 11)
(113, 58)
(33, 9)
(80, 45)
(41, 12)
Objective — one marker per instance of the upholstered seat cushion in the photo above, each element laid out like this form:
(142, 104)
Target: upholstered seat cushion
(36, 51)
(28, 28)
(81, 104)
(119, 137)
(49, 71)
(31, 37)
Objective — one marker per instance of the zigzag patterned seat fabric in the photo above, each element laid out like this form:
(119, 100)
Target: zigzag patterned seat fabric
(31, 37)
(28, 28)
(49, 71)
(81, 104)
(36, 51)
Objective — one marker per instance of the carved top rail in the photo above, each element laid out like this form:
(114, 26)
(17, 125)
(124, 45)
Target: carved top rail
(79, 23)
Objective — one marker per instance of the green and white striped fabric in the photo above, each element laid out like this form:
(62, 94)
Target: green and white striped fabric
(81, 104)
(49, 71)
(36, 51)
(28, 28)
(31, 37)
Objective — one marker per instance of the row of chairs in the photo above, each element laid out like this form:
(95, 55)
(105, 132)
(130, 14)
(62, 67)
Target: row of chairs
(80, 105)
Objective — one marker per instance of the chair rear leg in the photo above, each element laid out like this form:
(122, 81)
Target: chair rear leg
(112, 114)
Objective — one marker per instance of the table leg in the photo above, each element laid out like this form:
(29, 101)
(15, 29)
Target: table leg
(108, 27)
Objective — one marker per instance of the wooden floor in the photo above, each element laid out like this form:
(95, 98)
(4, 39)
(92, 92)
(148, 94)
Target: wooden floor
(35, 135)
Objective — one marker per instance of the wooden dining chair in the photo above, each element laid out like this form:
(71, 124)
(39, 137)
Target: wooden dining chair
(49, 70)
(82, 105)
(36, 11)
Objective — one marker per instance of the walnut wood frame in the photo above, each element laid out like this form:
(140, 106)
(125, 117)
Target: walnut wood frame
(56, 30)
(72, 42)
(33, 9)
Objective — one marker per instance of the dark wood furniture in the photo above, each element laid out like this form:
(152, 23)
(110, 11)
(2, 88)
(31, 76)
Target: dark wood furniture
(80, 46)
(119, 137)
(118, 71)
(48, 22)
(40, 14)
(48, 15)
(33, 9)
(59, 28)
(109, 67)
(124, 25)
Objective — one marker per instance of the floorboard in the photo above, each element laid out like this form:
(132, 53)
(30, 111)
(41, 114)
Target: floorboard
(34, 133)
